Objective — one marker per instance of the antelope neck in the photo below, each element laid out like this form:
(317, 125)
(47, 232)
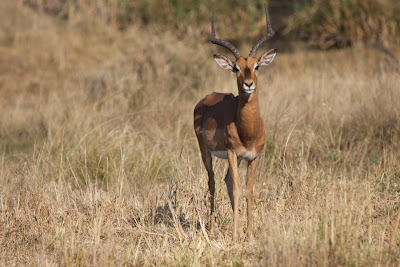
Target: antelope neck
(248, 117)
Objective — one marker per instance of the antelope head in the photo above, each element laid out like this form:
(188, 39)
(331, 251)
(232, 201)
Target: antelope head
(246, 68)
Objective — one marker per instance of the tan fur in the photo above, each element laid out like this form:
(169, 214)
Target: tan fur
(224, 122)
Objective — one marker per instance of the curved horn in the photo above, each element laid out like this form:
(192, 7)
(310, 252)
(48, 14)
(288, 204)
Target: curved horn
(265, 37)
(222, 43)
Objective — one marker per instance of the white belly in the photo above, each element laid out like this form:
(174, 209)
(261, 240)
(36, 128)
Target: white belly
(249, 156)
(220, 154)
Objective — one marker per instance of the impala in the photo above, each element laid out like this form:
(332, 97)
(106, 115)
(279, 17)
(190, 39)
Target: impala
(230, 127)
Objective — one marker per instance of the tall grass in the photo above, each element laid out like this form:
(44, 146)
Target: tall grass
(177, 15)
(99, 164)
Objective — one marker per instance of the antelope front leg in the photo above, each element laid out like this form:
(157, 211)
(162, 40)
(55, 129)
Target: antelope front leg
(206, 156)
(251, 170)
(233, 169)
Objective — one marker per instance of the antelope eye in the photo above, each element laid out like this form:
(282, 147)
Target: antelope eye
(235, 69)
(257, 67)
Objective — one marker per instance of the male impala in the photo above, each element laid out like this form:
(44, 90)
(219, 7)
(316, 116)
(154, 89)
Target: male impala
(231, 127)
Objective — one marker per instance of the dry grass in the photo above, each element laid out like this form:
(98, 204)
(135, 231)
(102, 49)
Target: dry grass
(99, 164)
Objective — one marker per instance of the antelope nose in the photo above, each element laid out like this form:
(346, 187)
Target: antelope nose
(248, 84)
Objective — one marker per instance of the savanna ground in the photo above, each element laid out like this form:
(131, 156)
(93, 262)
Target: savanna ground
(99, 164)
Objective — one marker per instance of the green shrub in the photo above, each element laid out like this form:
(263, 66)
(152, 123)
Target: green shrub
(323, 23)
(340, 23)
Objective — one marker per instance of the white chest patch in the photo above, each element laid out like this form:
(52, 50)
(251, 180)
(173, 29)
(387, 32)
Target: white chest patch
(249, 156)
(220, 154)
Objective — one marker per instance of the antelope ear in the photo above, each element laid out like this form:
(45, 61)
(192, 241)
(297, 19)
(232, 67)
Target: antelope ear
(267, 57)
(224, 62)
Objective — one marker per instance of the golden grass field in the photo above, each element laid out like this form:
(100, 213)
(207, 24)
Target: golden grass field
(99, 164)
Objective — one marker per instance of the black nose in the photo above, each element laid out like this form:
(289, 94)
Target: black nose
(248, 84)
